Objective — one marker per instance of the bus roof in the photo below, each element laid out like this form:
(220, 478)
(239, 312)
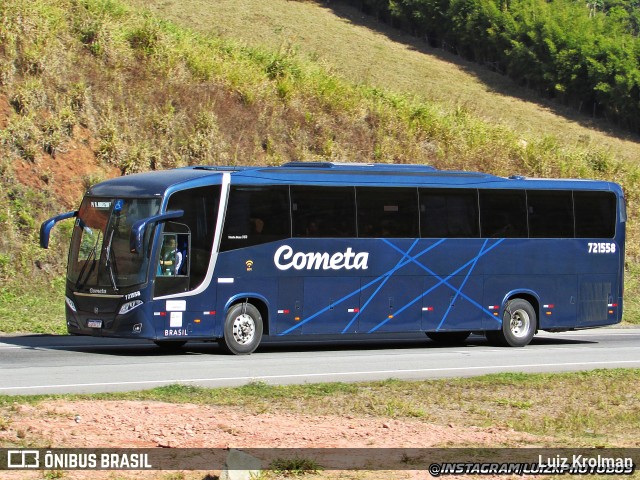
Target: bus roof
(329, 173)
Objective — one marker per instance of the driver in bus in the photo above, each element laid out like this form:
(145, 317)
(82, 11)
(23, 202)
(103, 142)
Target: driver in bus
(170, 258)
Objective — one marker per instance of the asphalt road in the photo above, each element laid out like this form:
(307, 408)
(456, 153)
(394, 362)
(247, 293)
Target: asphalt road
(59, 364)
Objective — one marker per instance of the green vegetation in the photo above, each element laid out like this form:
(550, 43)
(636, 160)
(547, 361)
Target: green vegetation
(294, 467)
(36, 309)
(141, 92)
(596, 408)
(374, 54)
(584, 54)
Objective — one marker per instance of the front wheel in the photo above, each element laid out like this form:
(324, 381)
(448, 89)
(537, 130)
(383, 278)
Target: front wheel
(242, 329)
(519, 324)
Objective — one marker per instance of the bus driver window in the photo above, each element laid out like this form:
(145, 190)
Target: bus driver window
(170, 257)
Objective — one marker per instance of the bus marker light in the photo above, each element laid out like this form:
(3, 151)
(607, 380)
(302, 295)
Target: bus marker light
(494, 307)
(210, 312)
(353, 310)
(197, 320)
(612, 305)
(551, 305)
(427, 309)
(548, 313)
(390, 316)
(297, 319)
(610, 312)
(284, 312)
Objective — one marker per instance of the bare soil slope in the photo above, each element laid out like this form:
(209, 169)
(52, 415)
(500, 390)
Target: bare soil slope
(96, 424)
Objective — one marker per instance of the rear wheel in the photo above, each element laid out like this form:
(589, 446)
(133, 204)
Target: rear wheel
(449, 338)
(242, 329)
(519, 324)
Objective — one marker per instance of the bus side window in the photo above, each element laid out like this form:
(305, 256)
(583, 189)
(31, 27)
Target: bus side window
(323, 212)
(550, 214)
(503, 214)
(449, 213)
(387, 212)
(256, 215)
(193, 239)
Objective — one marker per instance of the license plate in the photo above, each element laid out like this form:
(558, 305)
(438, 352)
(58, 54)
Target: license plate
(94, 323)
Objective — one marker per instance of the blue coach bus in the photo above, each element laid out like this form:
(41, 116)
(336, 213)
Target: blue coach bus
(234, 253)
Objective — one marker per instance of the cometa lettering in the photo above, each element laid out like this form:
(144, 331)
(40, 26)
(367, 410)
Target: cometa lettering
(285, 258)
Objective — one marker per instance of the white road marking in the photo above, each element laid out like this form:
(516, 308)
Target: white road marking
(308, 375)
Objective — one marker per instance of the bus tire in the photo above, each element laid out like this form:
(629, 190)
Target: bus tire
(519, 324)
(448, 338)
(242, 329)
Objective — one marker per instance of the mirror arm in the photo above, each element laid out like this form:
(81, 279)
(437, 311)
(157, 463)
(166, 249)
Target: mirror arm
(138, 228)
(45, 228)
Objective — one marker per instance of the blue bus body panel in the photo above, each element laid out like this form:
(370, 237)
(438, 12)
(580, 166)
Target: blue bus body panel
(428, 285)
(157, 183)
(395, 285)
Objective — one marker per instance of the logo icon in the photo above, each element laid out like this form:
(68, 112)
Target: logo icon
(249, 264)
(23, 459)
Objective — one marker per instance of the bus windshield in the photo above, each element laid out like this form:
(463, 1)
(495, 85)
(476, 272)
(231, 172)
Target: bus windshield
(100, 255)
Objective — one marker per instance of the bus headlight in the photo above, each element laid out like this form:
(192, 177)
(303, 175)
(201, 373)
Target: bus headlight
(127, 307)
(70, 304)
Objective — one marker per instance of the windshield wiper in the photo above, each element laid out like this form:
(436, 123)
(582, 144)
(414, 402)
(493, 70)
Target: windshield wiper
(92, 253)
(108, 264)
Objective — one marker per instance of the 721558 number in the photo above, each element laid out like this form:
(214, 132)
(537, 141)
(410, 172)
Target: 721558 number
(602, 247)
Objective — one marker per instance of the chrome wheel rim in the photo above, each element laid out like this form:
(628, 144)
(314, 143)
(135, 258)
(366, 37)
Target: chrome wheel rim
(244, 329)
(520, 323)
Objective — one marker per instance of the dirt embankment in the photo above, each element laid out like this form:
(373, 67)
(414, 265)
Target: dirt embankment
(146, 424)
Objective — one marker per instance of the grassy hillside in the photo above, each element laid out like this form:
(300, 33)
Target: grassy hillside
(365, 51)
(94, 88)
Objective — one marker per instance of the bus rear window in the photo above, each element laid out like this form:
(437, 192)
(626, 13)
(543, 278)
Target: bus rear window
(595, 214)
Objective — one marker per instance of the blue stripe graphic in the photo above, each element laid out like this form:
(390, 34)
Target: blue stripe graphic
(447, 284)
(459, 291)
(372, 282)
(399, 265)
(405, 260)
(442, 281)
